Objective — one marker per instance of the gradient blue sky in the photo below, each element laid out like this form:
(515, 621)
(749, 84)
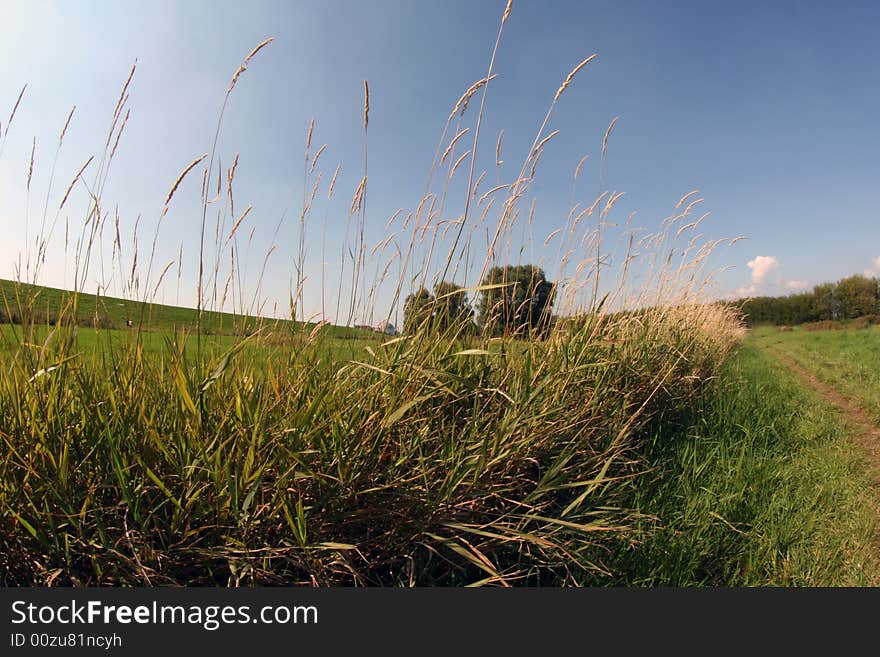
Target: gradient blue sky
(769, 109)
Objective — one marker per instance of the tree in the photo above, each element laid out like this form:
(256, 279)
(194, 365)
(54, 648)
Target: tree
(418, 310)
(857, 295)
(446, 308)
(824, 302)
(451, 306)
(519, 301)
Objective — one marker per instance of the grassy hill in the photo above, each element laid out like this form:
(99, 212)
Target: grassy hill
(46, 303)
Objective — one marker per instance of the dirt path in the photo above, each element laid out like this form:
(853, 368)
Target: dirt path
(866, 434)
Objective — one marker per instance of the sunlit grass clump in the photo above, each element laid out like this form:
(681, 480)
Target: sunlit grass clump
(425, 463)
(453, 454)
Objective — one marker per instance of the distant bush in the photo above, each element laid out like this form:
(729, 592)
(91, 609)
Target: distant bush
(836, 325)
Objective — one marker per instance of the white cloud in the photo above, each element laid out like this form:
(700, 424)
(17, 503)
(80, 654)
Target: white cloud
(797, 285)
(761, 266)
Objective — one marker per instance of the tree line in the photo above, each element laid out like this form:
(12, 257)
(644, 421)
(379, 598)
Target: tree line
(518, 300)
(848, 298)
(514, 300)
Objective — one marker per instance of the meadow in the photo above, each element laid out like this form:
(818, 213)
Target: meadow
(760, 484)
(208, 446)
(97, 345)
(847, 359)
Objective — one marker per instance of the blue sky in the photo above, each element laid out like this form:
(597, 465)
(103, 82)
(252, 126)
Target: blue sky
(769, 109)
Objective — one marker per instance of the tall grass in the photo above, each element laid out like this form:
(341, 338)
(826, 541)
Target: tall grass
(441, 457)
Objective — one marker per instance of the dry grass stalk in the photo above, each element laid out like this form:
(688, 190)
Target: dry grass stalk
(690, 206)
(118, 134)
(452, 144)
(551, 236)
(458, 162)
(577, 169)
(241, 69)
(308, 207)
(74, 181)
(487, 208)
(608, 134)
(579, 216)
(180, 179)
(466, 97)
(686, 197)
(506, 14)
(309, 137)
(498, 160)
(15, 108)
(492, 191)
(477, 184)
(571, 75)
(358, 196)
(535, 160)
(31, 166)
(393, 217)
(66, 124)
(544, 141)
(366, 104)
(238, 223)
(333, 182)
(611, 201)
(315, 159)
(120, 103)
(230, 175)
(693, 224)
(162, 276)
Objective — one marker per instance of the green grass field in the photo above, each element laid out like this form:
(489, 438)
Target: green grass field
(760, 485)
(94, 345)
(166, 327)
(45, 304)
(848, 360)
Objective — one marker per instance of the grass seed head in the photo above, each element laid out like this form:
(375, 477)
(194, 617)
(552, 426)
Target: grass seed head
(366, 104)
(571, 75)
(179, 180)
(241, 69)
(507, 12)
